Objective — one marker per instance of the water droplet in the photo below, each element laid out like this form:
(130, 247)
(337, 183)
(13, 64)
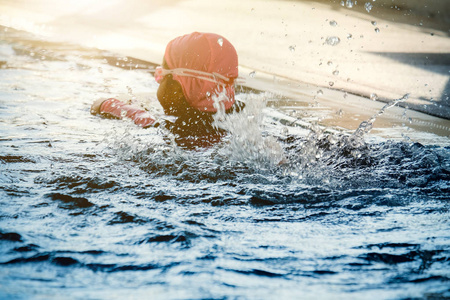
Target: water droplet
(349, 36)
(377, 30)
(331, 83)
(342, 3)
(208, 94)
(432, 34)
(252, 74)
(345, 95)
(292, 48)
(220, 41)
(330, 63)
(319, 92)
(31, 54)
(130, 91)
(125, 59)
(333, 23)
(374, 23)
(349, 3)
(368, 6)
(333, 40)
(373, 97)
(336, 72)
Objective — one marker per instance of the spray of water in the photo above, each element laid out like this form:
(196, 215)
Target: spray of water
(248, 142)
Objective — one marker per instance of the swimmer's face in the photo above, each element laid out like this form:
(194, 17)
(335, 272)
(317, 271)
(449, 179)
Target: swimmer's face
(170, 95)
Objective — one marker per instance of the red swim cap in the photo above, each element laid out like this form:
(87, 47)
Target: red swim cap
(206, 52)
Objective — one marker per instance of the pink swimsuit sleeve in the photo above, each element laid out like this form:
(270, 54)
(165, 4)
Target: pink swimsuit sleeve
(117, 109)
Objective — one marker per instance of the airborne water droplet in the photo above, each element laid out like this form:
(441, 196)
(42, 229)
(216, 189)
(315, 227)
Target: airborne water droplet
(373, 97)
(331, 83)
(220, 42)
(292, 48)
(374, 23)
(319, 92)
(349, 3)
(333, 40)
(252, 74)
(377, 30)
(336, 72)
(333, 23)
(368, 6)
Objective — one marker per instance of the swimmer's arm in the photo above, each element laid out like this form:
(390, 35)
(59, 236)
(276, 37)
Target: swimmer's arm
(116, 109)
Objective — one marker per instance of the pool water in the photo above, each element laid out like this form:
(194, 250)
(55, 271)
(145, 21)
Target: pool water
(92, 208)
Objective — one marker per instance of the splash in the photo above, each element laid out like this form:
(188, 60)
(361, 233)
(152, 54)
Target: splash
(322, 156)
(248, 142)
(366, 126)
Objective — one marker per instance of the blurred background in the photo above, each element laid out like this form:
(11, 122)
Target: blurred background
(377, 49)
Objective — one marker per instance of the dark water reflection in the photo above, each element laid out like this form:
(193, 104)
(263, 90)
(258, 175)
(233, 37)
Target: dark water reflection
(93, 208)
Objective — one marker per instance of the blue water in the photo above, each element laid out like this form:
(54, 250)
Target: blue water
(92, 208)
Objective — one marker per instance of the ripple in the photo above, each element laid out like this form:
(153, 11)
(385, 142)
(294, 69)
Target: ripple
(69, 202)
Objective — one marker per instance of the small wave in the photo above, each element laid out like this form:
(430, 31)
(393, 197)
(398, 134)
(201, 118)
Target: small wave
(122, 217)
(16, 159)
(69, 202)
(10, 236)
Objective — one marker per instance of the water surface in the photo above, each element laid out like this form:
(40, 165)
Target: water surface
(92, 208)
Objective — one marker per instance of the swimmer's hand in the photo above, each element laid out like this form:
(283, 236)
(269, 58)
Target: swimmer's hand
(95, 107)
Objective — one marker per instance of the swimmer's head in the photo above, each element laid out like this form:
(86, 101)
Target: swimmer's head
(196, 68)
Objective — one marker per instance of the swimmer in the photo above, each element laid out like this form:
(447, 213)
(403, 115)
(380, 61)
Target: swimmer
(197, 68)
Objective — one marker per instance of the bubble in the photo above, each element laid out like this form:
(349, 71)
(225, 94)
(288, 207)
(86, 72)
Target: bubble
(252, 74)
(368, 6)
(220, 41)
(292, 48)
(333, 23)
(333, 40)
